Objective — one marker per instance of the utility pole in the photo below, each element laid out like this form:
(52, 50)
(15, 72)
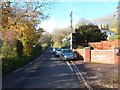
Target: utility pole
(118, 16)
(71, 30)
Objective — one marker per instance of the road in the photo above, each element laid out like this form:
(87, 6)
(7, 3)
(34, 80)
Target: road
(45, 72)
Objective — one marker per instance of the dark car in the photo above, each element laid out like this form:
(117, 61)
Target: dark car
(54, 49)
(58, 51)
(68, 54)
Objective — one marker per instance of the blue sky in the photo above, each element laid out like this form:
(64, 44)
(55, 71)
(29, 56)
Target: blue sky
(60, 12)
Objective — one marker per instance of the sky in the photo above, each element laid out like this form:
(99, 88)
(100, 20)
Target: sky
(60, 13)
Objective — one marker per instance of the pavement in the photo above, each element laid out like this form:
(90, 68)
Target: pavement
(100, 75)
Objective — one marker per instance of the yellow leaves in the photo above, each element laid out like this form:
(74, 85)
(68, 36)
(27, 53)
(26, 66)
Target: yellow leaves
(19, 25)
(57, 44)
(27, 49)
(10, 37)
(115, 30)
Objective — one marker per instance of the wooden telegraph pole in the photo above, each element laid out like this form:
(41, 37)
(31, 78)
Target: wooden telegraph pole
(71, 30)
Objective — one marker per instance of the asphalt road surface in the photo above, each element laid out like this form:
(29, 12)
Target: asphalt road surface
(45, 72)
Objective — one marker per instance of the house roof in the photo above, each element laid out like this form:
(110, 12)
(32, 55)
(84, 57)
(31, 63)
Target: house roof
(104, 29)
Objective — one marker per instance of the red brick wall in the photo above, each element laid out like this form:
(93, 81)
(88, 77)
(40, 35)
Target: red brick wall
(99, 56)
(102, 56)
(117, 59)
(87, 53)
(103, 45)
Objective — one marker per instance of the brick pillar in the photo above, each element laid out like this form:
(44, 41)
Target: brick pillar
(115, 55)
(87, 54)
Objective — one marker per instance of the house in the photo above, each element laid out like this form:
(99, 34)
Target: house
(108, 32)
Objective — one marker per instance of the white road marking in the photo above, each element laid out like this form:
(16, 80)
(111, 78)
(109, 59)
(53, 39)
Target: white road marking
(18, 69)
(69, 66)
(83, 79)
(33, 61)
(53, 58)
(30, 63)
(38, 58)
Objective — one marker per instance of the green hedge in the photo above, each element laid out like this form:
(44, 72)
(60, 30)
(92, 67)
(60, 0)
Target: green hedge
(11, 64)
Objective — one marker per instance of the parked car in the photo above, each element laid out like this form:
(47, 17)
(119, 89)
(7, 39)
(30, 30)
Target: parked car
(54, 49)
(68, 54)
(58, 51)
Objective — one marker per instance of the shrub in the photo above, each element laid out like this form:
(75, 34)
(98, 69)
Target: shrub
(12, 63)
(8, 51)
(19, 48)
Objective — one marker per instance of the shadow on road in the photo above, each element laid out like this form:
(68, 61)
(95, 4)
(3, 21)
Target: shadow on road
(44, 73)
(97, 74)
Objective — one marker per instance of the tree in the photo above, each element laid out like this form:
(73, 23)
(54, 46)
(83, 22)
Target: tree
(19, 22)
(46, 38)
(87, 33)
(106, 26)
(83, 21)
(59, 34)
(19, 48)
(111, 20)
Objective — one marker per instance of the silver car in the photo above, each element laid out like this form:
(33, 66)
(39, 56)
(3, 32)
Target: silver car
(68, 54)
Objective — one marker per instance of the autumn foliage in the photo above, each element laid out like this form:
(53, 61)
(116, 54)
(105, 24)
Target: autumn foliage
(19, 36)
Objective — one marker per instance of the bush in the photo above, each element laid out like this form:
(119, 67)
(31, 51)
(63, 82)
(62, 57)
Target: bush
(19, 49)
(8, 51)
(114, 37)
(10, 64)
(80, 47)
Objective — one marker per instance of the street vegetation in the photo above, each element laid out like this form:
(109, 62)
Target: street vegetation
(20, 38)
(87, 33)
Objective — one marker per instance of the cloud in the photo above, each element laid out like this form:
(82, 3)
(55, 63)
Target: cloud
(64, 24)
(52, 23)
(49, 25)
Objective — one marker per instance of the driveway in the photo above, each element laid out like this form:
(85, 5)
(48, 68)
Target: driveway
(100, 75)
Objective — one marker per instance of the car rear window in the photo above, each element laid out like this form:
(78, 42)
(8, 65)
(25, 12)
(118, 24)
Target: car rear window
(58, 49)
(67, 51)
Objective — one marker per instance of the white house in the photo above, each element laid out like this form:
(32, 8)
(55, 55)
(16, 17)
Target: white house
(108, 32)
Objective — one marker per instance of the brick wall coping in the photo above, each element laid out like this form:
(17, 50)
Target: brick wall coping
(102, 50)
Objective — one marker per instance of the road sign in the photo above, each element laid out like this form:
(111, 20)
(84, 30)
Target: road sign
(68, 39)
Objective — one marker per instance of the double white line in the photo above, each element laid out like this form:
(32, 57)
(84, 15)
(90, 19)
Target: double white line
(79, 74)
